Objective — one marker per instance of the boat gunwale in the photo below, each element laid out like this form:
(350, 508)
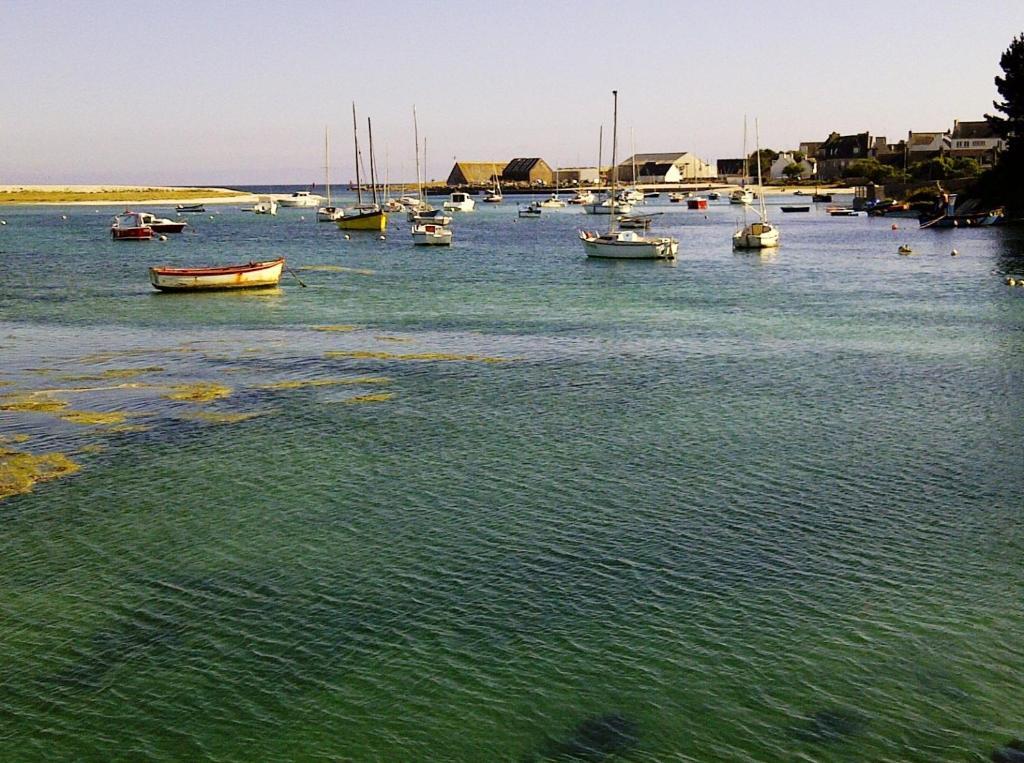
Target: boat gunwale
(248, 267)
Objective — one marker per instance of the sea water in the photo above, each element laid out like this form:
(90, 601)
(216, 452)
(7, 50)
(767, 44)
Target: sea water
(501, 502)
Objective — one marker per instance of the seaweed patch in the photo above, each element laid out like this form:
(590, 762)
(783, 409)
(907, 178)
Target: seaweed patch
(36, 402)
(114, 373)
(378, 398)
(199, 392)
(340, 327)
(94, 418)
(596, 739)
(19, 471)
(213, 417)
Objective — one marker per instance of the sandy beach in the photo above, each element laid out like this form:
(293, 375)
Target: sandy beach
(114, 195)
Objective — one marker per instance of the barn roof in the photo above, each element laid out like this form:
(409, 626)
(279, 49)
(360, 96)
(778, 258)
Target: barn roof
(477, 172)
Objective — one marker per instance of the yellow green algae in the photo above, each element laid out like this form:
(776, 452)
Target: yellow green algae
(440, 356)
(300, 383)
(380, 397)
(19, 471)
(31, 401)
(94, 418)
(114, 373)
(13, 438)
(198, 392)
(342, 327)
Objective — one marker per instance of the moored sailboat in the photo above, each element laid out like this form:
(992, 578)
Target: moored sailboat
(616, 244)
(328, 213)
(363, 216)
(761, 234)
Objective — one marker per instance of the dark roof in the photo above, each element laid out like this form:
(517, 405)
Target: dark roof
(654, 168)
(973, 131)
(519, 169)
(845, 146)
(729, 166)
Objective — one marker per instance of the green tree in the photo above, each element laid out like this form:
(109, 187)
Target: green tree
(792, 171)
(871, 168)
(767, 157)
(939, 168)
(1003, 184)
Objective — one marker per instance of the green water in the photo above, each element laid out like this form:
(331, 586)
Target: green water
(731, 508)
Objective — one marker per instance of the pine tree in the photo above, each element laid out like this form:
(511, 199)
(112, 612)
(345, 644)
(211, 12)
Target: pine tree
(1005, 181)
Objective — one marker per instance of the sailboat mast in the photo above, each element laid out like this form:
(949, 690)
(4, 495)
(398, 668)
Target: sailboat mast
(416, 136)
(760, 190)
(615, 168)
(355, 139)
(373, 163)
(327, 165)
(600, 149)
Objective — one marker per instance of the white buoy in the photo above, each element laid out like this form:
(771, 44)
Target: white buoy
(63, 217)
(1011, 281)
(211, 217)
(382, 237)
(347, 237)
(3, 222)
(895, 226)
(163, 238)
(302, 217)
(954, 253)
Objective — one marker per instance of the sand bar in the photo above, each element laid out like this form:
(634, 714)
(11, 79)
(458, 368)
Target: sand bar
(116, 195)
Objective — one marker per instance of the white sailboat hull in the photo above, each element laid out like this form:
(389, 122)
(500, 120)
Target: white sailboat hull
(627, 245)
(756, 236)
(431, 235)
(604, 208)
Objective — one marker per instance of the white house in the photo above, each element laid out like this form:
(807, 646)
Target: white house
(976, 140)
(678, 167)
(807, 166)
(926, 145)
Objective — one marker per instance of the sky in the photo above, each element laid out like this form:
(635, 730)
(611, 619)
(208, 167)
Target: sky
(241, 93)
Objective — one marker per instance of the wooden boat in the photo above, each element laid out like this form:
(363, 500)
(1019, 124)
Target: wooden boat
(190, 208)
(796, 208)
(637, 222)
(248, 275)
(130, 226)
(363, 216)
(429, 234)
(162, 224)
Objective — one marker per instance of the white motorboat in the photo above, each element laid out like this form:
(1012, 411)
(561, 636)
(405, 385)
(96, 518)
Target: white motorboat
(628, 244)
(301, 199)
(631, 196)
(459, 202)
(265, 206)
(431, 216)
(607, 207)
(533, 210)
(553, 202)
(583, 197)
(429, 234)
(761, 234)
(741, 196)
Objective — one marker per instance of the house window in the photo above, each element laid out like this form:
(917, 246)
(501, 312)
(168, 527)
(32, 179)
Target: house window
(856, 150)
(979, 143)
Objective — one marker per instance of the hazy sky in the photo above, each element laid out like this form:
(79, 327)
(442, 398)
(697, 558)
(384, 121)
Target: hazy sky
(240, 92)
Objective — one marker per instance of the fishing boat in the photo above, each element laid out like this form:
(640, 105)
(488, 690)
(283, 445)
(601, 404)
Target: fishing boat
(607, 207)
(714, 195)
(796, 208)
(533, 210)
(302, 199)
(842, 212)
(742, 196)
(248, 275)
(697, 202)
(676, 197)
(821, 198)
(761, 234)
(363, 216)
(948, 217)
(624, 244)
(130, 226)
(327, 213)
(459, 202)
(429, 234)
(162, 224)
(190, 208)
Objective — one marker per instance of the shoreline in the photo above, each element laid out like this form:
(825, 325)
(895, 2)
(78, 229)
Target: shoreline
(114, 195)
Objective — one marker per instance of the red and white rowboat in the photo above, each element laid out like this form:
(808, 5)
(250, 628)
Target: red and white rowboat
(130, 226)
(245, 276)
